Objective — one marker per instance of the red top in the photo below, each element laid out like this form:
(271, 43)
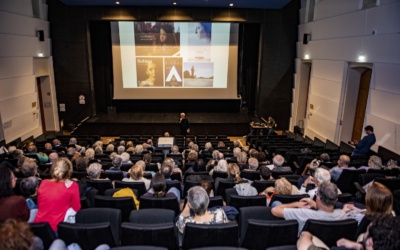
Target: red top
(14, 207)
(54, 199)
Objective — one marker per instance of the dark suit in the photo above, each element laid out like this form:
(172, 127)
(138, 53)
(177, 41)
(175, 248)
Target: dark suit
(184, 126)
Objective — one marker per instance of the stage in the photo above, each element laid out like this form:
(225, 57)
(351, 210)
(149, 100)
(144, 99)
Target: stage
(124, 123)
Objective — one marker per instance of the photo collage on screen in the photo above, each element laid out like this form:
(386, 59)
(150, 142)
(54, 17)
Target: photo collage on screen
(166, 58)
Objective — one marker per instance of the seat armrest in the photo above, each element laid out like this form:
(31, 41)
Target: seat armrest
(296, 165)
(359, 188)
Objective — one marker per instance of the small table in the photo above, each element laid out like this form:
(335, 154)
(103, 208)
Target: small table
(259, 129)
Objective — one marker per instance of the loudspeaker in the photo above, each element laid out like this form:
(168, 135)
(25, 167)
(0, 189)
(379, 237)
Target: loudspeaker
(111, 110)
(306, 38)
(40, 35)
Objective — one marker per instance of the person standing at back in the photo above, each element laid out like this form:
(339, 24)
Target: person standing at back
(362, 147)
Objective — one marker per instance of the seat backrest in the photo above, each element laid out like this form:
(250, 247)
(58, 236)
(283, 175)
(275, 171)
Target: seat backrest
(162, 234)
(87, 236)
(254, 212)
(347, 178)
(125, 204)
(238, 201)
(392, 184)
(139, 186)
(250, 175)
(223, 185)
(113, 175)
(261, 234)
(287, 198)
(152, 216)
(176, 176)
(261, 185)
(219, 174)
(44, 232)
(96, 215)
(331, 231)
(100, 185)
(188, 185)
(364, 179)
(216, 201)
(110, 192)
(160, 202)
(203, 235)
(174, 183)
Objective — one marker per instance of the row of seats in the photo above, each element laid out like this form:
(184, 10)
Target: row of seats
(256, 229)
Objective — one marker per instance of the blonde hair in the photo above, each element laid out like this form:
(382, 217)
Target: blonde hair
(283, 186)
(234, 171)
(136, 172)
(61, 169)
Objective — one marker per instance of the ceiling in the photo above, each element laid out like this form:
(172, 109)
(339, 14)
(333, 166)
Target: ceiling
(247, 4)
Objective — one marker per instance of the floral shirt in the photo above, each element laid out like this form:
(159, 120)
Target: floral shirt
(219, 217)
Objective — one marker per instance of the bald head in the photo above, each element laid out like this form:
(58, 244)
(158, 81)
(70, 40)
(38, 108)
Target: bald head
(344, 161)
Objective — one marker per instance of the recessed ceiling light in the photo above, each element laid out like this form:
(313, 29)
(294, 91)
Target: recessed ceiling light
(116, 2)
(174, 3)
(231, 4)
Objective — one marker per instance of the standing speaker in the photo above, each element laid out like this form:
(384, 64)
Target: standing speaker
(40, 35)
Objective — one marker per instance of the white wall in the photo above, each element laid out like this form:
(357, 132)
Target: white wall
(19, 102)
(340, 32)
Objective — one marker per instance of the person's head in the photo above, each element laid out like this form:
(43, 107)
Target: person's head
(383, 233)
(7, 182)
(234, 172)
(48, 146)
(192, 156)
(94, 171)
(242, 158)
(327, 194)
(198, 200)
(29, 186)
(149, 142)
(203, 31)
(321, 175)
(169, 162)
(131, 150)
(207, 146)
(90, 153)
(122, 143)
(32, 148)
(97, 144)
(139, 149)
(182, 115)
(117, 161)
(159, 185)
(144, 145)
(151, 71)
(278, 160)
(236, 144)
(195, 147)
(166, 170)
(29, 167)
(324, 157)
(265, 172)
(343, 161)
(253, 152)
(236, 151)
(222, 166)
(98, 150)
(261, 156)
(110, 147)
(166, 134)
(16, 235)
(125, 157)
(142, 164)
(167, 35)
(369, 129)
(253, 163)
(147, 158)
(375, 162)
(52, 157)
(61, 169)
(283, 186)
(81, 163)
(17, 153)
(378, 200)
(175, 149)
(120, 149)
(206, 184)
(221, 144)
(56, 142)
(72, 141)
(214, 154)
(136, 172)
(20, 160)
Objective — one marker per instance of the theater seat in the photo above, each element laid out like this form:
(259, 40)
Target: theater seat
(139, 186)
(261, 234)
(207, 235)
(44, 232)
(238, 201)
(287, 198)
(152, 216)
(125, 204)
(160, 202)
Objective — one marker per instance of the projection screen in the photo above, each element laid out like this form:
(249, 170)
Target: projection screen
(174, 60)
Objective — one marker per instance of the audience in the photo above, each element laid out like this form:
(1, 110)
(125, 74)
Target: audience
(136, 175)
(343, 163)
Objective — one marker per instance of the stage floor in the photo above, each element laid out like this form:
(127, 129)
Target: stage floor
(234, 124)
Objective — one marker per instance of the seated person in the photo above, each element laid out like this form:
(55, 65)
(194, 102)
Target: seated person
(136, 175)
(233, 175)
(94, 171)
(197, 201)
(321, 175)
(343, 163)
(29, 188)
(374, 162)
(159, 186)
(306, 208)
(282, 186)
(277, 165)
(265, 173)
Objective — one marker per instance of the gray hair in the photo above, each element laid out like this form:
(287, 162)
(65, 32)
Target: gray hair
(117, 161)
(253, 163)
(375, 162)
(215, 154)
(89, 153)
(29, 167)
(222, 166)
(139, 149)
(120, 149)
(110, 148)
(94, 170)
(98, 150)
(322, 175)
(125, 157)
(278, 160)
(207, 145)
(53, 156)
(328, 193)
(198, 200)
(142, 164)
(72, 141)
(29, 186)
(236, 151)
